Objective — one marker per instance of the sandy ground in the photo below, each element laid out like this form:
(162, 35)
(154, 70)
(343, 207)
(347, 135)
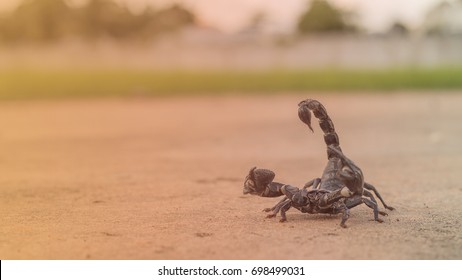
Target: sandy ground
(162, 178)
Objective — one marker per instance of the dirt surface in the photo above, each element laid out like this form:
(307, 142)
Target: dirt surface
(162, 178)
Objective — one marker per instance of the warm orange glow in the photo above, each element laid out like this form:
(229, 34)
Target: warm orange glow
(233, 15)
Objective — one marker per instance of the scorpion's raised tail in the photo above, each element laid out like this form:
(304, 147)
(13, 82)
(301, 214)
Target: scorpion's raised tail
(304, 112)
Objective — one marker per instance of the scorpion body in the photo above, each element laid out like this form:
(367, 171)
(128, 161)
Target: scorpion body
(340, 188)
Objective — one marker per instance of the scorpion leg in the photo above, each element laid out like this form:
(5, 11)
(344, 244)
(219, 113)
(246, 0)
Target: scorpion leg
(290, 192)
(274, 207)
(341, 207)
(315, 183)
(353, 201)
(373, 205)
(369, 194)
(284, 210)
(346, 215)
(372, 188)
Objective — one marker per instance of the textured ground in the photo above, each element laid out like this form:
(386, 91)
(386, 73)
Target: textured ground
(162, 178)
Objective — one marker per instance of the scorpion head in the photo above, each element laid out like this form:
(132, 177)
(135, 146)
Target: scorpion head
(256, 181)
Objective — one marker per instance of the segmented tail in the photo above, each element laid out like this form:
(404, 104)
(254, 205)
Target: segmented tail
(330, 136)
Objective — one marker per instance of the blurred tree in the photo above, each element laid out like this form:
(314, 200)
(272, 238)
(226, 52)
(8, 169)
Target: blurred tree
(41, 20)
(171, 19)
(257, 21)
(104, 18)
(444, 19)
(323, 17)
(51, 20)
(151, 23)
(398, 28)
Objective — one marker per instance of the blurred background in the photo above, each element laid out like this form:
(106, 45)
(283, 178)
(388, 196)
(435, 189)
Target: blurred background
(97, 164)
(153, 47)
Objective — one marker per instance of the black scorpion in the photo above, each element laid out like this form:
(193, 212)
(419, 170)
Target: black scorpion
(340, 188)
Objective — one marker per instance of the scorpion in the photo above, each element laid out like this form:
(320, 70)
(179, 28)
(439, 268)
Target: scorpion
(340, 188)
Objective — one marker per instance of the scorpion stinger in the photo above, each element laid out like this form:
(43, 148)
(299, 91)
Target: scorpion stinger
(326, 124)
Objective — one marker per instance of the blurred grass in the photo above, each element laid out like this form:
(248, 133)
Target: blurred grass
(63, 83)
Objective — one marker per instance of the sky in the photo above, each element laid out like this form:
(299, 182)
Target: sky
(281, 15)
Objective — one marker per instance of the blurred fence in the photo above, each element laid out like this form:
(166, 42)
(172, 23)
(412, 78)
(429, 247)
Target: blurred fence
(199, 49)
